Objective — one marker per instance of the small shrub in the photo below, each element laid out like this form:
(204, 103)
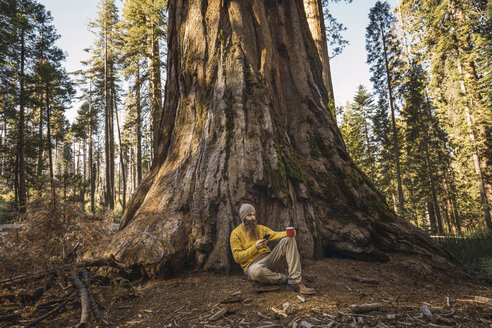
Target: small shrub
(48, 236)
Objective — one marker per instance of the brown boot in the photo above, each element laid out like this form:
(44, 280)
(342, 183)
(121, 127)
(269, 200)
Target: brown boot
(302, 289)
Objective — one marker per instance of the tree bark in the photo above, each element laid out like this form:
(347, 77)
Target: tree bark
(316, 22)
(245, 119)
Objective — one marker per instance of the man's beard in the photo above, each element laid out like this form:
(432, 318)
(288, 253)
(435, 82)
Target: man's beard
(252, 229)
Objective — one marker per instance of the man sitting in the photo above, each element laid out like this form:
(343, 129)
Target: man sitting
(250, 250)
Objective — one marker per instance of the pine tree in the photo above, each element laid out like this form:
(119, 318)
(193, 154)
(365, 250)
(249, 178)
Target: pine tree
(103, 61)
(453, 38)
(384, 57)
(357, 129)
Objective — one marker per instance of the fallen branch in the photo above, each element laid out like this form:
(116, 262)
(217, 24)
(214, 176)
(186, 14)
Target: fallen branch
(84, 300)
(109, 262)
(48, 315)
(94, 308)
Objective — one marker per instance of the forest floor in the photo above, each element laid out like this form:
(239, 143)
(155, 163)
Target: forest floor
(404, 295)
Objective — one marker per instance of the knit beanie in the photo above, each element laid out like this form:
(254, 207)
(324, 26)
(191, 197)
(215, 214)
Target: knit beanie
(245, 209)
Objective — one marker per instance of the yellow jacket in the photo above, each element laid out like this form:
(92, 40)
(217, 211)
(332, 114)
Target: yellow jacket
(244, 250)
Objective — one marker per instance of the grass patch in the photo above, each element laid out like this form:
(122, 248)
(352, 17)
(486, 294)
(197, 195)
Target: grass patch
(473, 249)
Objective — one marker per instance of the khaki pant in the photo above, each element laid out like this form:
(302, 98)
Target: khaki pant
(261, 269)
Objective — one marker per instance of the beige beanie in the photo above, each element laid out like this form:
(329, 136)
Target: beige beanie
(245, 209)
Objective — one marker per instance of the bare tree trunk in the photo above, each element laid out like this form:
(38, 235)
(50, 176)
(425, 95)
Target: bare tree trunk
(92, 176)
(316, 22)
(122, 163)
(50, 152)
(432, 217)
(155, 90)
(21, 145)
(244, 118)
(401, 208)
(138, 126)
(476, 161)
(107, 127)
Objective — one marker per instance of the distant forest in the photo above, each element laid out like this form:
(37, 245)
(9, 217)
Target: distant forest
(423, 136)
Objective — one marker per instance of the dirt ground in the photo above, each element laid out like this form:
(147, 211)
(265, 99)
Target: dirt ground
(191, 299)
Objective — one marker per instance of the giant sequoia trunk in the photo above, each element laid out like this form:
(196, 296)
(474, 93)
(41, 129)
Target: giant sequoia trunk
(246, 118)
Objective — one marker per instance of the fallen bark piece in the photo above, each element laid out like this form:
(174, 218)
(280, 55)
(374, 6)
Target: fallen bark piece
(448, 302)
(356, 314)
(264, 316)
(428, 314)
(365, 280)
(236, 293)
(331, 324)
(404, 323)
(302, 299)
(305, 324)
(232, 299)
(232, 308)
(266, 289)
(444, 320)
(364, 308)
(279, 312)
(329, 316)
(391, 316)
(484, 300)
(448, 314)
(217, 315)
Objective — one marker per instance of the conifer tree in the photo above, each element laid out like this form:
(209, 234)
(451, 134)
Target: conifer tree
(103, 61)
(383, 54)
(357, 130)
(451, 37)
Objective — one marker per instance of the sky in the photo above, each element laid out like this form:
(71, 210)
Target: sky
(349, 69)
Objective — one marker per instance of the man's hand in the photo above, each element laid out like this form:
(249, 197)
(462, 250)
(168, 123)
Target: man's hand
(261, 243)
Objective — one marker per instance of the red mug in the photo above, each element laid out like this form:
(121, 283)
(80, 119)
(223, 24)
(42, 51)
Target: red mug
(291, 232)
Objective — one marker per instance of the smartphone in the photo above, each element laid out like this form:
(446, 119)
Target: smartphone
(266, 236)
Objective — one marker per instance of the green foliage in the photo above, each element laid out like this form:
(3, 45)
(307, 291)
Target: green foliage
(473, 249)
(357, 129)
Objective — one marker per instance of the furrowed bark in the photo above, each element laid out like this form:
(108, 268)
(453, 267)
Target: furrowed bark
(247, 118)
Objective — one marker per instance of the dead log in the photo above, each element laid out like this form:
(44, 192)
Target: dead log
(84, 300)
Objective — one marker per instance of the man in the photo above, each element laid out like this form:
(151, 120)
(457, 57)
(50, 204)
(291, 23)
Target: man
(250, 250)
